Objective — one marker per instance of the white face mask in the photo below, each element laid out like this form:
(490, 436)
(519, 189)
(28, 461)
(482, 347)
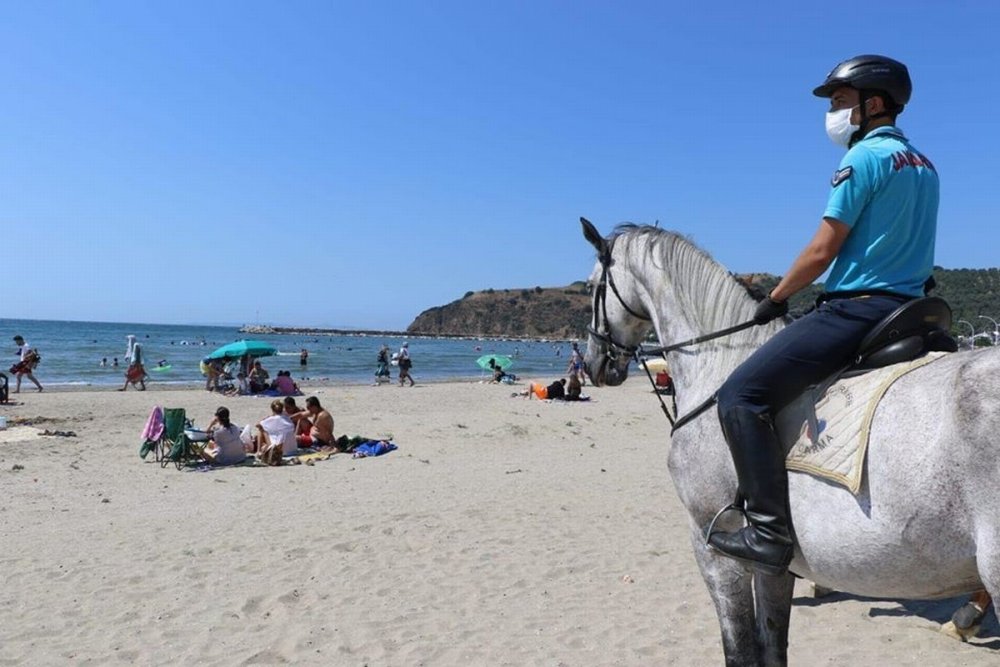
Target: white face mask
(839, 128)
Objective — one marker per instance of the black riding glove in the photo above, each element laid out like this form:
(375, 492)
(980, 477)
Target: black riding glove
(768, 310)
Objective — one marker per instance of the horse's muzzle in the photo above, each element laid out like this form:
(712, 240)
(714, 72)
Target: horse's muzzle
(606, 373)
(614, 375)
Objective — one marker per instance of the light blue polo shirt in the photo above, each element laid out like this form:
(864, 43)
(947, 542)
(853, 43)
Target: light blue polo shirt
(887, 193)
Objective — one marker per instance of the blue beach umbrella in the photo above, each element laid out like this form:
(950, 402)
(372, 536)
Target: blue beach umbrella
(252, 348)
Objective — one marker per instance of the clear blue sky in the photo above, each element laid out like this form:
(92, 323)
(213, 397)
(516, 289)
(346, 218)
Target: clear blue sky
(351, 164)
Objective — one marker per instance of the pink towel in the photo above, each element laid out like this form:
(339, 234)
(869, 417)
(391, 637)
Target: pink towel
(154, 425)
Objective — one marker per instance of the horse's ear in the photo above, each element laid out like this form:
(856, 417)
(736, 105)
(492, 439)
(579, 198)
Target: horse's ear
(591, 234)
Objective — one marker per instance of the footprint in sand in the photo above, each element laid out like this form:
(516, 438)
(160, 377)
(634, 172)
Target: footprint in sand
(251, 605)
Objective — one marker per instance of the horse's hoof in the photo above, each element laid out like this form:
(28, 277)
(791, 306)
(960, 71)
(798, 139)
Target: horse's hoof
(820, 591)
(961, 634)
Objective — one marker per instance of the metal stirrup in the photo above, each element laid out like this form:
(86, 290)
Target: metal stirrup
(727, 508)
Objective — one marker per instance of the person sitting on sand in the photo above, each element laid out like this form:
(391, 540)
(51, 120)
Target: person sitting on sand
(224, 447)
(573, 388)
(242, 387)
(556, 390)
(284, 384)
(275, 435)
(258, 378)
(321, 426)
(498, 372)
(294, 412)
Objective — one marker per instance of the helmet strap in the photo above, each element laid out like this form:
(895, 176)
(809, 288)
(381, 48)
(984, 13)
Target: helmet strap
(864, 96)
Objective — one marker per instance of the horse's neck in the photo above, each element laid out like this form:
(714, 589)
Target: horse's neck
(690, 295)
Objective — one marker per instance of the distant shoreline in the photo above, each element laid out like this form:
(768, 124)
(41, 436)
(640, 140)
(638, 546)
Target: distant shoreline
(363, 333)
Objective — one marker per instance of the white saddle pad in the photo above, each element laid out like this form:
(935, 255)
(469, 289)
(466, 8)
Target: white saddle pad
(832, 443)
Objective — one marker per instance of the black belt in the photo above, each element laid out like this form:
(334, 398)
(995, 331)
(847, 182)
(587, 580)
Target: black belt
(830, 296)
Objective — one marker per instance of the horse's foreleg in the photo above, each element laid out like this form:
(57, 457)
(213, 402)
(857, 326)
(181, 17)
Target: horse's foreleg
(729, 584)
(774, 608)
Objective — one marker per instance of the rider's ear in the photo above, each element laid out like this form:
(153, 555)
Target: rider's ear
(591, 234)
(874, 105)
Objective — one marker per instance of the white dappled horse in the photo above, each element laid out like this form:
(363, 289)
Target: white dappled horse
(926, 523)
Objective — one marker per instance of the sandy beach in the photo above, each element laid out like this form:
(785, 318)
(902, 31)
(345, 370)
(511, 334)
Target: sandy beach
(502, 532)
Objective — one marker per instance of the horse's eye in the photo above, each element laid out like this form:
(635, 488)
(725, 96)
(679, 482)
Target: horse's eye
(590, 287)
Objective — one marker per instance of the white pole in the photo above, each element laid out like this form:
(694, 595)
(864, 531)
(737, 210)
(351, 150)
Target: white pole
(996, 327)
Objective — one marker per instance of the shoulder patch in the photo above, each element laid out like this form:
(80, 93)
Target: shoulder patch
(841, 175)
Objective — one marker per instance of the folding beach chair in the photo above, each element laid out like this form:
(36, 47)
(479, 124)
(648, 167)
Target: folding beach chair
(174, 446)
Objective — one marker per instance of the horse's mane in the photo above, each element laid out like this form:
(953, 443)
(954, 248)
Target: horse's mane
(710, 290)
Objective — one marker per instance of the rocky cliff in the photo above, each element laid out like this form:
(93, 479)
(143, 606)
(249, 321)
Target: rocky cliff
(564, 312)
(537, 312)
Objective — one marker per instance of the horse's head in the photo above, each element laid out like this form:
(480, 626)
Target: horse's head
(616, 329)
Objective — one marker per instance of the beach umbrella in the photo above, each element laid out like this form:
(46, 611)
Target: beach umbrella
(252, 348)
(501, 360)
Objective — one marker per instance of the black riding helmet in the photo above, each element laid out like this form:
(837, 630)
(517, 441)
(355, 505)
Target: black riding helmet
(870, 73)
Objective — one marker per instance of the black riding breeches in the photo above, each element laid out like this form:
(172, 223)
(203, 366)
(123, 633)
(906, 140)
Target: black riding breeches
(804, 353)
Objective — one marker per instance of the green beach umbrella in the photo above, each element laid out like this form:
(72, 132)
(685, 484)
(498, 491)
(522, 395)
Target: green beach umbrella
(252, 348)
(501, 360)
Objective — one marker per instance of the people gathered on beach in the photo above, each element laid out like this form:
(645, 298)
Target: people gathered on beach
(284, 385)
(559, 390)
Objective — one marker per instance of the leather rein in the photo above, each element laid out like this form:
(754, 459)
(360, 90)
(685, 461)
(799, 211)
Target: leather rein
(615, 349)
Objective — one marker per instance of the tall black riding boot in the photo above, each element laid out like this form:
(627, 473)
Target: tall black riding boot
(767, 543)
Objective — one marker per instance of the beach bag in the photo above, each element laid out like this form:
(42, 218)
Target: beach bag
(271, 456)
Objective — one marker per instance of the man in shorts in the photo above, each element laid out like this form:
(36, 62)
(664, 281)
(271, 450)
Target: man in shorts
(321, 426)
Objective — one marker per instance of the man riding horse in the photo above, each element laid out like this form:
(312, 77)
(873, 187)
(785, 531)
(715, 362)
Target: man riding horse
(878, 231)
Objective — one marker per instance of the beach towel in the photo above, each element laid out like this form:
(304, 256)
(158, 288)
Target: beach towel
(128, 348)
(275, 393)
(373, 448)
(152, 432)
(347, 444)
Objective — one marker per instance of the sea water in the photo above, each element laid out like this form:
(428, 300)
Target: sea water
(72, 353)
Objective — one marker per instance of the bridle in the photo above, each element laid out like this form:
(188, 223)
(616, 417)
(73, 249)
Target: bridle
(616, 350)
(601, 329)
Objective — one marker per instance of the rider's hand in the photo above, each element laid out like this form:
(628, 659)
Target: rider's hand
(768, 310)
